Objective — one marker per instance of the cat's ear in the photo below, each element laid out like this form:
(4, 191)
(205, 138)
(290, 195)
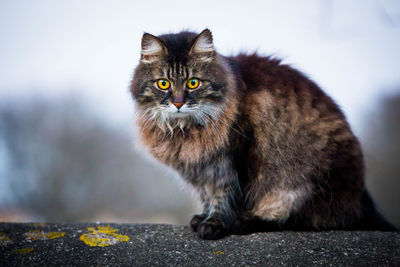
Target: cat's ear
(152, 48)
(203, 44)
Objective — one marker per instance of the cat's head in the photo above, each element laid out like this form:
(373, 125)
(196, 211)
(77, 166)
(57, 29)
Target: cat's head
(181, 80)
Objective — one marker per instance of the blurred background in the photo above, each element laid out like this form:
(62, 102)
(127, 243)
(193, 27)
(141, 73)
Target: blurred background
(67, 143)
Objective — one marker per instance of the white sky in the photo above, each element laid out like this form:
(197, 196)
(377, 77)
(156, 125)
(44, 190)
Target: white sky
(351, 48)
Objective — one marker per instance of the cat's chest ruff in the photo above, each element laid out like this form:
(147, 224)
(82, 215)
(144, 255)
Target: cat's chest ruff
(192, 146)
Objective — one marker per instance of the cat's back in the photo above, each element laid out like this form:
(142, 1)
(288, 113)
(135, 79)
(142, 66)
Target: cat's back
(267, 85)
(285, 113)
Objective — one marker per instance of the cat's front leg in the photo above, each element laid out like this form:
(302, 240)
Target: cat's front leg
(198, 218)
(221, 194)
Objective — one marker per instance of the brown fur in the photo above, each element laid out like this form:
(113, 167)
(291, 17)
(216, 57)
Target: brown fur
(265, 147)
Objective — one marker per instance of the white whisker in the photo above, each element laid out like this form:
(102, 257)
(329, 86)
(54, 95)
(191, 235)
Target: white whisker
(206, 114)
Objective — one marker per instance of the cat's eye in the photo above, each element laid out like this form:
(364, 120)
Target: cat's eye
(193, 83)
(163, 84)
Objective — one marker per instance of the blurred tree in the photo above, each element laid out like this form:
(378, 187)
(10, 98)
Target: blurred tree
(66, 164)
(382, 149)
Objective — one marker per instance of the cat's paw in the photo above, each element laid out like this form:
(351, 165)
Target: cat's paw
(196, 220)
(242, 227)
(211, 229)
(247, 224)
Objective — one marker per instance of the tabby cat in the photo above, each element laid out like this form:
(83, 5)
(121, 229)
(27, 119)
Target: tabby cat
(263, 145)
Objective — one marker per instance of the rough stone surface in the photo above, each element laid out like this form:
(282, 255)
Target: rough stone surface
(152, 245)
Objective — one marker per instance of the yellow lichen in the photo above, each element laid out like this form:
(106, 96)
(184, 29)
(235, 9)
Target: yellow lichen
(218, 252)
(39, 235)
(103, 236)
(53, 235)
(35, 235)
(23, 250)
(4, 237)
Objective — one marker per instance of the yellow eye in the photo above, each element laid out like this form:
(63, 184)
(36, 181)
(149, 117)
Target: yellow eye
(193, 83)
(163, 84)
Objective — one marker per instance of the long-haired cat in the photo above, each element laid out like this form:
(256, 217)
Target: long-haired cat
(263, 145)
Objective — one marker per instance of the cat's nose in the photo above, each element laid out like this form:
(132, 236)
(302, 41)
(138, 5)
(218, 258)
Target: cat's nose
(178, 100)
(178, 105)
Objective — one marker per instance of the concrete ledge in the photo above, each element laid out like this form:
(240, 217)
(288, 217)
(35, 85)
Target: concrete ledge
(144, 245)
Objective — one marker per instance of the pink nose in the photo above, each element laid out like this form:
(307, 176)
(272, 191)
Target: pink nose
(178, 105)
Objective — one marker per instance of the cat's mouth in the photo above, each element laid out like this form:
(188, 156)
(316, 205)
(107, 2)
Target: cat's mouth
(197, 114)
(172, 112)
(179, 114)
(181, 111)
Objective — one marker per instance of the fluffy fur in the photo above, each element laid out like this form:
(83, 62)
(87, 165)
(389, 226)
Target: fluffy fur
(264, 146)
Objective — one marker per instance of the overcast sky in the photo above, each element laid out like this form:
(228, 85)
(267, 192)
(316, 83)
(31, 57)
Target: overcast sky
(350, 48)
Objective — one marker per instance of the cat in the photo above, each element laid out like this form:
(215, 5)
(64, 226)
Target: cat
(263, 145)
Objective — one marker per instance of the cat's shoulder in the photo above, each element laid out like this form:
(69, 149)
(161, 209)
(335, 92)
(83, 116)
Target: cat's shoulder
(254, 59)
(265, 82)
(258, 71)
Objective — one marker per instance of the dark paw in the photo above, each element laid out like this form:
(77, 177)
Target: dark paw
(196, 220)
(211, 229)
(248, 225)
(243, 227)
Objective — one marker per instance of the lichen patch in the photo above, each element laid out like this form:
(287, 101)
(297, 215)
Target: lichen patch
(23, 250)
(4, 239)
(40, 235)
(103, 236)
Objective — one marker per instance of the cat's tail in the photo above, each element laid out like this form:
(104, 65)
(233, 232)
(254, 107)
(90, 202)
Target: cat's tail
(371, 218)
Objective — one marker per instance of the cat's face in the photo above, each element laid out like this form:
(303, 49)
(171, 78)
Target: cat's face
(180, 80)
